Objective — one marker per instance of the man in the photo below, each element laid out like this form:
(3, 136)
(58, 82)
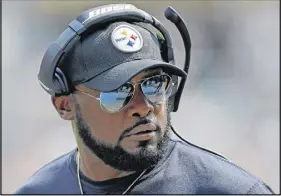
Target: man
(119, 107)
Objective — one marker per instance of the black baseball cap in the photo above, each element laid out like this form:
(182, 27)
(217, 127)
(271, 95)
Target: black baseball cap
(113, 54)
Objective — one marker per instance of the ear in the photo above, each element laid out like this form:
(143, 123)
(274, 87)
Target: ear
(64, 107)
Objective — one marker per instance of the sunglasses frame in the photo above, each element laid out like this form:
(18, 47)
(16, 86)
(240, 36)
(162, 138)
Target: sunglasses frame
(139, 82)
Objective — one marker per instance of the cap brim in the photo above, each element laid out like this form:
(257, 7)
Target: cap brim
(113, 78)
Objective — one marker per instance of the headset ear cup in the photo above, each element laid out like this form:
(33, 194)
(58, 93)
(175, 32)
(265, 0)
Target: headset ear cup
(60, 82)
(59, 85)
(63, 78)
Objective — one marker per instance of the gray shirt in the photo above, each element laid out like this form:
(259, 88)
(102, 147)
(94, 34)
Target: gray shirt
(185, 169)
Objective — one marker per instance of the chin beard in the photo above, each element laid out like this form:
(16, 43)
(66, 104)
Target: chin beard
(116, 156)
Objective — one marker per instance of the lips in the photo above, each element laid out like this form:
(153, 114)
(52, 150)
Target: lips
(142, 129)
(143, 132)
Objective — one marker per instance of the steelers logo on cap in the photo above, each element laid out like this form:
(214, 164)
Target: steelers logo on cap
(126, 39)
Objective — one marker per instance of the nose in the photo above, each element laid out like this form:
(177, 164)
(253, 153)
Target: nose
(139, 106)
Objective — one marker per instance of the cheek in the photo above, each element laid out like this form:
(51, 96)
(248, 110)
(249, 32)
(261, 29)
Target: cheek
(161, 115)
(103, 126)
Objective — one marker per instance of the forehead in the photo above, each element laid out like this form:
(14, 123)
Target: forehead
(147, 73)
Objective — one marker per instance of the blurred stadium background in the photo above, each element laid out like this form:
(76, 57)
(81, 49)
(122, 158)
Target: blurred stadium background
(230, 103)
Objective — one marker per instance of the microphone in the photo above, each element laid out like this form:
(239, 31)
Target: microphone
(175, 18)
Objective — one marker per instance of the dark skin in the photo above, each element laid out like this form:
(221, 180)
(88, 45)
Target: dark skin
(108, 127)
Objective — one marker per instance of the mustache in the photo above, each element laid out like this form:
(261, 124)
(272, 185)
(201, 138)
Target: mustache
(142, 121)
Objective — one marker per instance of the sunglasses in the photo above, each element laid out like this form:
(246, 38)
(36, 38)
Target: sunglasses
(155, 89)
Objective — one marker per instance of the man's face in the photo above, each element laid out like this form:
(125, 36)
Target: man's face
(115, 138)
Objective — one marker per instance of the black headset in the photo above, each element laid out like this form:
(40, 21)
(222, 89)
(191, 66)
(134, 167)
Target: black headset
(53, 80)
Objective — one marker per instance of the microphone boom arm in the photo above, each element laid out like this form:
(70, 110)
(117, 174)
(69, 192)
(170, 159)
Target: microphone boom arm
(175, 18)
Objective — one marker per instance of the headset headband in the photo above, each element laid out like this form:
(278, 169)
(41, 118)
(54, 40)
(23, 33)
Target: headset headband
(50, 75)
(90, 19)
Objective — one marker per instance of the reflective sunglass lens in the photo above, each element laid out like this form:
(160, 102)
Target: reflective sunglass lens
(154, 88)
(116, 100)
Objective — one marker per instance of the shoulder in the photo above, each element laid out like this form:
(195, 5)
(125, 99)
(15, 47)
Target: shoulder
(51, 178)
(213, 173)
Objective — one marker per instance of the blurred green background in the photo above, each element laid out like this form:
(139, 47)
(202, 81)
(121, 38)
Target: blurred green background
(231, 100)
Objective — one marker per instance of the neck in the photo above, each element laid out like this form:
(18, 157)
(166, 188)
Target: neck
(95, 169)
